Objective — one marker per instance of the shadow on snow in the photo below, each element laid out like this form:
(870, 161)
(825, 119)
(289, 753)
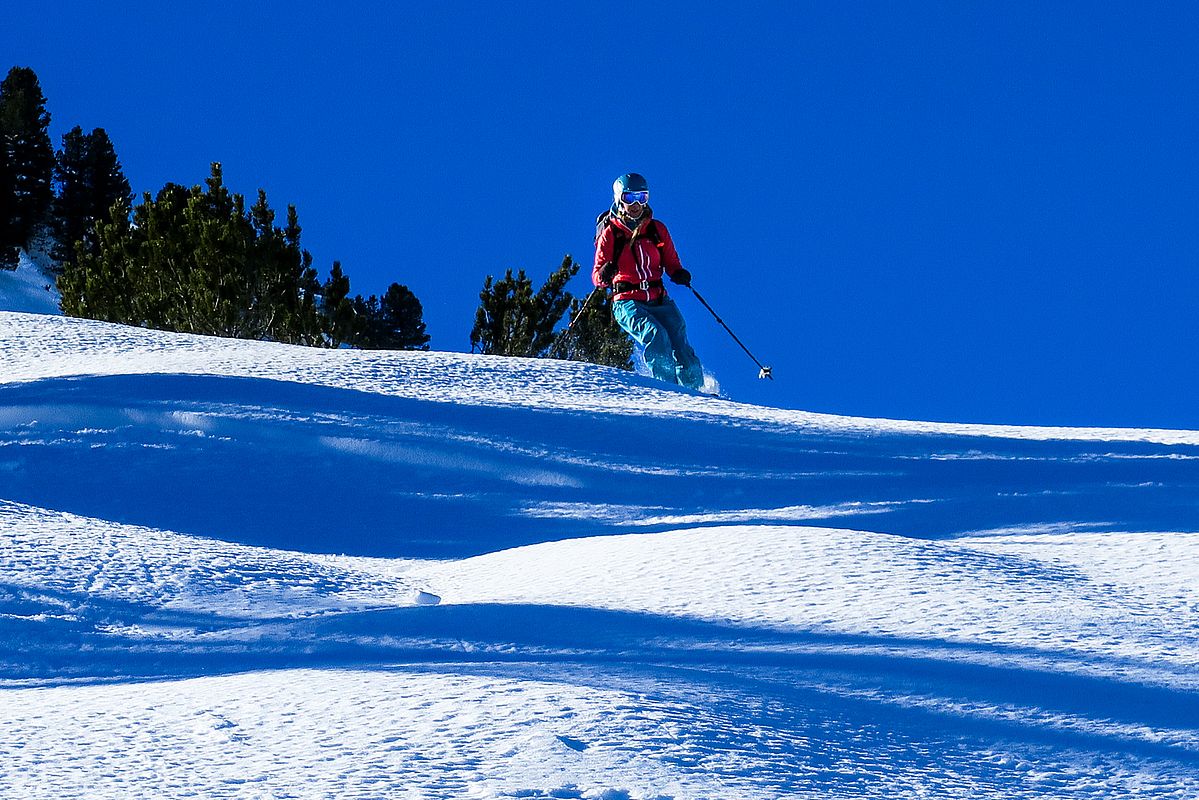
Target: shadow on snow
(746, 676)
(329, 470)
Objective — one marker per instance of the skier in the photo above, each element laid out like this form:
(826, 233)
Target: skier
(632, 250)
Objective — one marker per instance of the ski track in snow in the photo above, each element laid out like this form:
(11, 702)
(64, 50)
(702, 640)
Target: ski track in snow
(245, 570)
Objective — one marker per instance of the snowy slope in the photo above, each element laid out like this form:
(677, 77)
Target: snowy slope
(29, 288)
(240, 569)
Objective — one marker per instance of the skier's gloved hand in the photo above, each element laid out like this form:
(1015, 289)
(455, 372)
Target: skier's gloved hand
(681, 276)
(607, 273)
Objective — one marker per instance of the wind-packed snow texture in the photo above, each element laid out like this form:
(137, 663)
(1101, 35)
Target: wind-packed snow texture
(246, 570)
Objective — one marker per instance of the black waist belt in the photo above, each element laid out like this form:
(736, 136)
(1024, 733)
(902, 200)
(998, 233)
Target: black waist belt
(620, 287)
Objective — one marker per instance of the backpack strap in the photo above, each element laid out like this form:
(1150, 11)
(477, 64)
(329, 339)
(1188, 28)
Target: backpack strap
(654, 234)
(604, 220)
(601, 222)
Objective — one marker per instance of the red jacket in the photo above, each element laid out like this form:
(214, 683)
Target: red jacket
(641, 262)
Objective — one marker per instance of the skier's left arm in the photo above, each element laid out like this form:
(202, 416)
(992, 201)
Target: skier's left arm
(670, 258)
(605, 265)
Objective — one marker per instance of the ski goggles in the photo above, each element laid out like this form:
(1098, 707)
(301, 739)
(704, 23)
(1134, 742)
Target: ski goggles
(635, 197)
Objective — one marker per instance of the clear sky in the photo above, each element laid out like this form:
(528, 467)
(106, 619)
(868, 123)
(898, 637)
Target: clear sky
(977, 212)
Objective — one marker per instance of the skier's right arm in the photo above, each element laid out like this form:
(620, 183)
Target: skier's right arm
(605, 267)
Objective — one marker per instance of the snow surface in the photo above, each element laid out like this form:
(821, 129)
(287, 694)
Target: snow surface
(247, 570)
(30, 287)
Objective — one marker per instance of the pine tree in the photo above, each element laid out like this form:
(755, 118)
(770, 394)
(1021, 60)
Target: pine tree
(195, 260)
(338, 308)
(512, 320)
(364, 324)
(282, 284)
(400, 324)
(551, 303)
(90, 181)
(298, 290)
(8, 247)
(502, 320)
(96, 286)
(72, 207)
(108, 181)
(25, 135)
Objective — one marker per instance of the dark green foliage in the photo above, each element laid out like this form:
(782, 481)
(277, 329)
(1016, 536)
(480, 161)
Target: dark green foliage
(512, 320)
(503, 321)
(195, 260)
(90, 181)
(283, 286)
(338, 308)
(191, 260)
(72, 206)
(198, 261)
(400, 323)
(108, 181)
(365, 322)
(25, 137)
(393, 323)
(595, 337)
(8, 248)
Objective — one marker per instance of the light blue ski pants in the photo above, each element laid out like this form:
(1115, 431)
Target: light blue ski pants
(660, 329)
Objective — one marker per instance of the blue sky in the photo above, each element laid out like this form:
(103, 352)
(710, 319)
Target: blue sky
(955, 211)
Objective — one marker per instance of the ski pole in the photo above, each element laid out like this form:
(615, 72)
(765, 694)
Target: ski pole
(582, 310)
(763, 371)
